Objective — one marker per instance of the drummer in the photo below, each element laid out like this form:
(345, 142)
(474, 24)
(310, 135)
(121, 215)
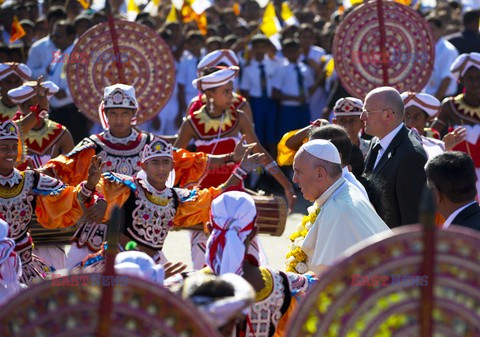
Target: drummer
(217, 128)
(120, 147)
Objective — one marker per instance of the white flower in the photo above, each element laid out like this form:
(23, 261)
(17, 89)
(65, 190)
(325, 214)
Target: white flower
(299, 227)
(311, 209)
(293, 246)
(308, 225)
(290, 260)
(301, 267)
(299, 241)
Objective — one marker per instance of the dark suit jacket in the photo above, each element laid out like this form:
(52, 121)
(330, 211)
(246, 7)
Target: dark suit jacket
(401, 174)
(469, 217)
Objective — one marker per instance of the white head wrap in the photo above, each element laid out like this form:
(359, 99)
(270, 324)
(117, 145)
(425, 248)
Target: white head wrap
(19, 69)
(10, 265)
(216, 79)
(463, 62)
(139, 264)
(220, 310)
(117, 96)
(216, 57)
(428, 103)
(348, 106)
(322, 149)
(28, 90)
(233, 217)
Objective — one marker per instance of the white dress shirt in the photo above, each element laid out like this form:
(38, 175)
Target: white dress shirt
(452, 216)
(385, 142)
(57, 74)
(285, 80)
(251, 80)
(40, 55)
(445, 55)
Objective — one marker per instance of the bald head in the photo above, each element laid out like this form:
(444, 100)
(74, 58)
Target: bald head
(388, 98)
(385, 111)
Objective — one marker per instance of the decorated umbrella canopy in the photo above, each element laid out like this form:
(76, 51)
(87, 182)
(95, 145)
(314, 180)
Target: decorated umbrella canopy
(68, 306)
(383, 43)
(392, 285)
(121, 52)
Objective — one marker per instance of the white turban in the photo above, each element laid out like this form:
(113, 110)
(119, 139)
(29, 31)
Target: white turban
(216, 57)
(216, 79)
(348, 106)
(139, 264)
(220, 310)
(322, 149)
(28, 90)
(463, 63)
(19, 69)
(428, 103)
(117, 96)
(233, 217)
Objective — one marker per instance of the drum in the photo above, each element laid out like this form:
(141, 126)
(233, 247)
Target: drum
(44, 236)
(271, 214)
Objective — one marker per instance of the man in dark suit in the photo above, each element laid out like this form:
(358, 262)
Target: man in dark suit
(452, 176)
(396, 159)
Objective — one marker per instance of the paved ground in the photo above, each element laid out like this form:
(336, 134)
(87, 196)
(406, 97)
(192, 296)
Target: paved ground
(177, 245)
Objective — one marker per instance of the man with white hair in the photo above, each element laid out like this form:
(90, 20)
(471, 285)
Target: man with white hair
(396, 158)
(340, 216)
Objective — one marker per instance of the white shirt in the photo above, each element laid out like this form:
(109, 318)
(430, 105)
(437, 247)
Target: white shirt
(354, 181)
(186, 73)
(345, 219)
(57, 74)
(385, 142)
(320, 96)
(452, 216)
(251, 79)
(40, 55)
(285, 80)
(445, 55)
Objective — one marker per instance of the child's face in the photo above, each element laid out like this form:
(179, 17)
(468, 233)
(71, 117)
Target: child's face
(416, 118)
(259, 49)
(471, 81)
(195, 45)
(352, 124)
(291, 54)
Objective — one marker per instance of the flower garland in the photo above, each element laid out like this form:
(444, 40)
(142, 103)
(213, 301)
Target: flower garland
(296, 258)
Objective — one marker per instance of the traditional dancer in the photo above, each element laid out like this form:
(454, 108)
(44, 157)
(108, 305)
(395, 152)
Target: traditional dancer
(12, 75)
(28, 193)
(151, 207)
(120, 147)
(421, 108)
(217, 128)
(464, 109)
(219, 58)
(233, 228)
(10, 265)
(47, 139)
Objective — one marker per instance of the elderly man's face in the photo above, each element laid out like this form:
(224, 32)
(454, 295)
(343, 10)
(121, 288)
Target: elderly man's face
(306, 176)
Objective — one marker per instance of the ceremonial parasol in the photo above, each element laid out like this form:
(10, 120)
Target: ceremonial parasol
(121, 52)
(102, 305)
(415, 281)
(383, 43)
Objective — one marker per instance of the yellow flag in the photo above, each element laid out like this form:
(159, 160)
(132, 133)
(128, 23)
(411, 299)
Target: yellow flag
(132, 10)
(85, 4)
(172, 15)
(287, 15)
(17, 31)
(270, 24)
(329, 68)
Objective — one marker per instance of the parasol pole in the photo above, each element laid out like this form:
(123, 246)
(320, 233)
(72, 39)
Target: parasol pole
(383, 42)
(113, 35)
(427, 219)
(106, 302)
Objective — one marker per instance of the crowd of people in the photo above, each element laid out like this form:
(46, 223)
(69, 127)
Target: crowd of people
(244, 107)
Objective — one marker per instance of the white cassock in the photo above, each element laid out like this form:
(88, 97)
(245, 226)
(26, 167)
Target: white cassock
(345, 219)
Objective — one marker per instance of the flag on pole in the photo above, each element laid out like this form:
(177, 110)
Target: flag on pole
(17, 31)
(152, 7)
(132, 10)
(287, 15)
(85, 3)
(172, 15)
(270, 25)
(200, 6)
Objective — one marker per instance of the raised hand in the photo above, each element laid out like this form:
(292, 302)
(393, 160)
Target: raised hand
(96, 212)
(241, 149)
(250, 162)
(94, 173)
(41, 93)
(172, 269)
(454, 138)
